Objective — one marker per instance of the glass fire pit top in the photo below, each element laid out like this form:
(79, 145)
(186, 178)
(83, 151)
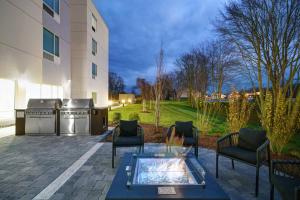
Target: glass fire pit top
(165, 170)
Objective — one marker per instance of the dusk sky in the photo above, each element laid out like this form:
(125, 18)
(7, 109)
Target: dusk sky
(137, 28)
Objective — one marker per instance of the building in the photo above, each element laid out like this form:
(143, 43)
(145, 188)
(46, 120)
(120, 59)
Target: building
(127, 98)
(216, 96)
(51, 49)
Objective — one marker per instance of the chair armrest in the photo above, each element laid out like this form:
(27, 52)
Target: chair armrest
(262, 152)
(169, 131)
(226, 141)
(115, 133)
(287, 168)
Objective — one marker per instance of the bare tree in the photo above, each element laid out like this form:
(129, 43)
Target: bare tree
(168, 89)
(179, 83)
(194, 69)
(158, 86)
(267, 34)
(223, 60)
(143, 85)
(116, 85)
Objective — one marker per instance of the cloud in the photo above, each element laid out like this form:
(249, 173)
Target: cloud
(137, 28)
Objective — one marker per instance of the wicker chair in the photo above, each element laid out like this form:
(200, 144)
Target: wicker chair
(248, 146)
(127, 134)
(190, 139)
(285, 177)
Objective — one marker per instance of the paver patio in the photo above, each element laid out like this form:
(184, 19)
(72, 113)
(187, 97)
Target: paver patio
(29, 164)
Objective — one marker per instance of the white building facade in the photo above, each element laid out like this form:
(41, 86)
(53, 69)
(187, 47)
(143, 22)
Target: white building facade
(51, 49)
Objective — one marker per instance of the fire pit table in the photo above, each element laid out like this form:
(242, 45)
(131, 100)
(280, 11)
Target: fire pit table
(163, 176)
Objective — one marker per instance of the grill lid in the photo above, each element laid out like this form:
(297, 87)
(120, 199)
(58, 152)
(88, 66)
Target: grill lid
(78, 103)
(44, 103)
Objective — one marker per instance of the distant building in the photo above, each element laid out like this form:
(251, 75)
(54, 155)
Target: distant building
(215, 96)
(251, 95)
(234, 94)
(184, 94)
(127, 98)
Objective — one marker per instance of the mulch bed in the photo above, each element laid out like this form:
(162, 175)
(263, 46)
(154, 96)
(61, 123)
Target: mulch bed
(151, 136)
(205, 141)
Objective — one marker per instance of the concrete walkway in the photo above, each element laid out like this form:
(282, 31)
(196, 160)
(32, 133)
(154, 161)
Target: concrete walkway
(7, 131)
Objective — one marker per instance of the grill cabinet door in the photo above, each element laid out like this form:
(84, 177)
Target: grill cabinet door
(82, 124)
(67, 124)
(32, 122)
(47, 124)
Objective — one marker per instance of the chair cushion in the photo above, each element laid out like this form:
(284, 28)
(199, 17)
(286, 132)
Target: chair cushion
(239, 153)
(128, 128)
(285, 186)
(184, 129)
(251, 139)
(128, 141)
(189, 141)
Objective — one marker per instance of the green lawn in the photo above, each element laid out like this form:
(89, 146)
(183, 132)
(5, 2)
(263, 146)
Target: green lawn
(171, 111)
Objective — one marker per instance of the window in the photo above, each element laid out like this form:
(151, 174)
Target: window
(94, 70)
(94, 96)
(94, 47)
(50, 44)
(94, 23)
(51, 7)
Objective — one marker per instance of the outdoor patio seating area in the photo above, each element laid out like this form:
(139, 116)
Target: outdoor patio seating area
(79, 167)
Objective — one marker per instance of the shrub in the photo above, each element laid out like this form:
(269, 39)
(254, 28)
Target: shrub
(134, 116)
(206, 113)
(280, 118)
(238, 113)
(116, 118)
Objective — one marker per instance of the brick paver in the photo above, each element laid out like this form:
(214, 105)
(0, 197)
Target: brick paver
(29, 164)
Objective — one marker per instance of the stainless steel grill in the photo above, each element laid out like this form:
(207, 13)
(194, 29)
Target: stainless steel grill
(41, 116)
(75, 116)
(80, 117)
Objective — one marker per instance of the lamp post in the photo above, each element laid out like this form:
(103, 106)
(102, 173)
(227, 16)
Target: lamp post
(123, 102)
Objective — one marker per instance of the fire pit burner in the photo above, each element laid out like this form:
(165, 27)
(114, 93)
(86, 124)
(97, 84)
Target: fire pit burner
(164, 170)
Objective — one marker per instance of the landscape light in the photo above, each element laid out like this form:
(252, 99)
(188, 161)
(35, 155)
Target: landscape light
(129, 101)
(123, 102)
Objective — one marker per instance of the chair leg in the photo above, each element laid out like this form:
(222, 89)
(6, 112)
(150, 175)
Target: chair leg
(257, 181)
(196, 151)
(113, 158)
(272, 192)
(232, 163)
(115, 151)
(217, 165)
